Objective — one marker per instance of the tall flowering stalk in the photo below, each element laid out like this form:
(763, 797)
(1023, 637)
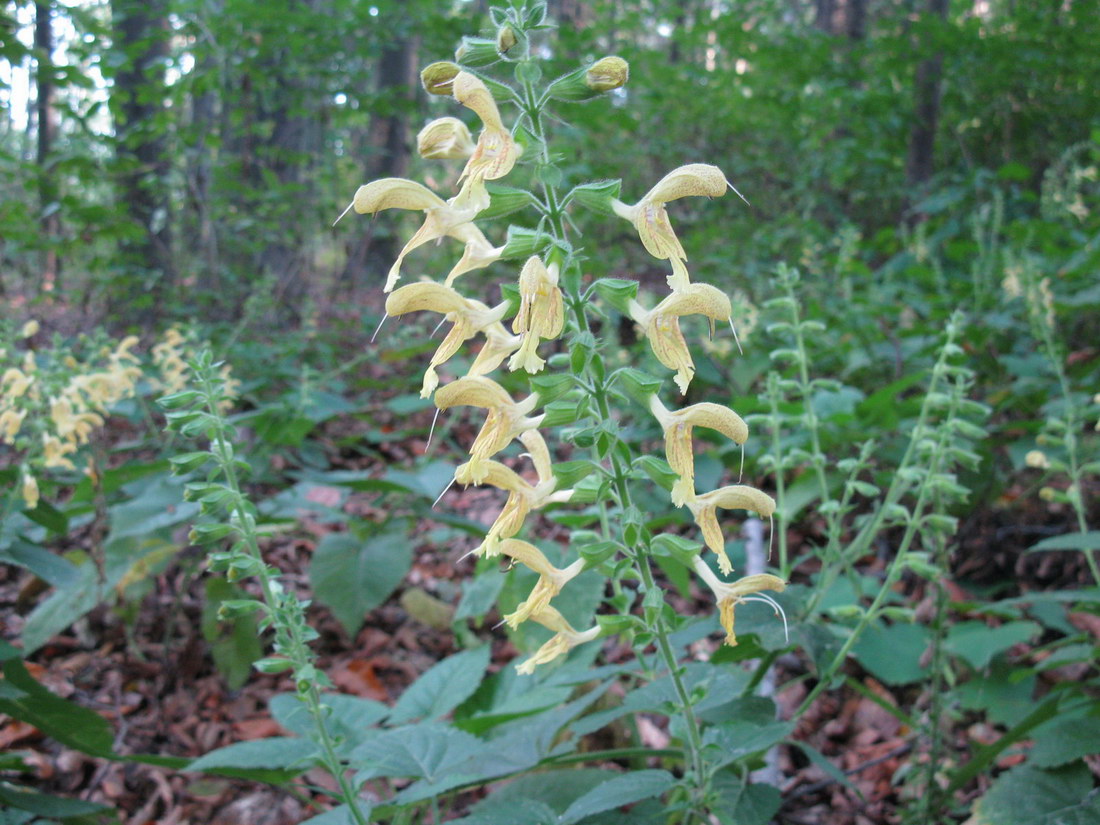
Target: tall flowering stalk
(547, 299)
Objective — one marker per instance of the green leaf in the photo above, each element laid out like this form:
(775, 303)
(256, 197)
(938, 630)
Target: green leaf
(443, 687)
(340, 815)
(351, 718)
(67, 722)
(49, 517)
(431, 751)
(352, 575)
(40, 804)
(739, 738)
(978, 643)
(622, 790)
(479, 594)
(1064, 740)
(288, 753)
(510, 812)
(892, 652)
(745, 804)
(556, 789)
(235, 643)
(54, 569)
(1070, 541)
(1031, 796)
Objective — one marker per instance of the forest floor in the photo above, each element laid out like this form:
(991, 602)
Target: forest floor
(150, 674)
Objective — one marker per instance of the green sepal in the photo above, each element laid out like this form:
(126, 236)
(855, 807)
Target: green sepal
(589, 490)
(597, 553)
(510, 292)
(551, 386)
(640, 386)
(504, 200)
(523, 243)
(187, 462)
(569, 473)
(565, 411)
(477, 52)
(572, 87)
(682, 549)
(618, 292)
(612, 625)
(597, 196)
(658, 470)
(179, 400)
(272, 664)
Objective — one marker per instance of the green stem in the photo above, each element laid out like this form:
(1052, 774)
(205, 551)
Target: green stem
(300, 654)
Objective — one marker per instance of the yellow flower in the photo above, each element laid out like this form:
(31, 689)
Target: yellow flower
(541, 313)
(551, 579)
(15, 382)
(29, 329)
(651, 219)
(735, 497)
(55, 450)
(72, 425)
(468, 317)
(523, 497)
(10, 422)
(1037, 459)
(678, 427)
(730, 594)
(496, 151)
(564, 640)
(29, 490)
(441, 219)
(662, 325)
(499, 344)
(506, 419)
(445, 138)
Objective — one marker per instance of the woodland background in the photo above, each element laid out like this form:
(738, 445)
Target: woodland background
(181, 162)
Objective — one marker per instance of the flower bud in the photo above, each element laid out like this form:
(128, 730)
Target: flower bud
(584, 84)
(477, 51)
(445, 138)
(607, 73)
(29, 329)
(438, 78)
(506, 39)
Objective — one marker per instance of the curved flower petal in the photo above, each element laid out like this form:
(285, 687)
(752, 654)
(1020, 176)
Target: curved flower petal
(551, 579)
(564, 640)
(678, 427)
(651, 219)
(445, 138)
(734, 497)
(496, 150)
(662, 325)
(730, 594)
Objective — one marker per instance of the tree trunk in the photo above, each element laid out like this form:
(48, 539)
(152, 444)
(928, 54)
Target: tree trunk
(141, 28)
(856, 19)
(920, 163)
(50, 215)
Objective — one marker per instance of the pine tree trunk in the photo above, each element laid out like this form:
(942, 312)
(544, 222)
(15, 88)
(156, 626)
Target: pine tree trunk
(920, 163)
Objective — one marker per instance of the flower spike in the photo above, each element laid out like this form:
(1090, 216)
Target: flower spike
(651, 219)
(736, 497)
(662, 325)
(678, 428)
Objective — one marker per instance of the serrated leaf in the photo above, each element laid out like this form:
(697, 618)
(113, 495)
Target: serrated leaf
(351, 718)
(1031, 796)
(622, 790)
(978, 643)
(1064, 740)
(289, 753)
(443, 687)
(353, 575)
(892, 653)
(429, 751)
(745, 804)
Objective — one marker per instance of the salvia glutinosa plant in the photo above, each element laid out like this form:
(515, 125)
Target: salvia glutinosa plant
(548, 297)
